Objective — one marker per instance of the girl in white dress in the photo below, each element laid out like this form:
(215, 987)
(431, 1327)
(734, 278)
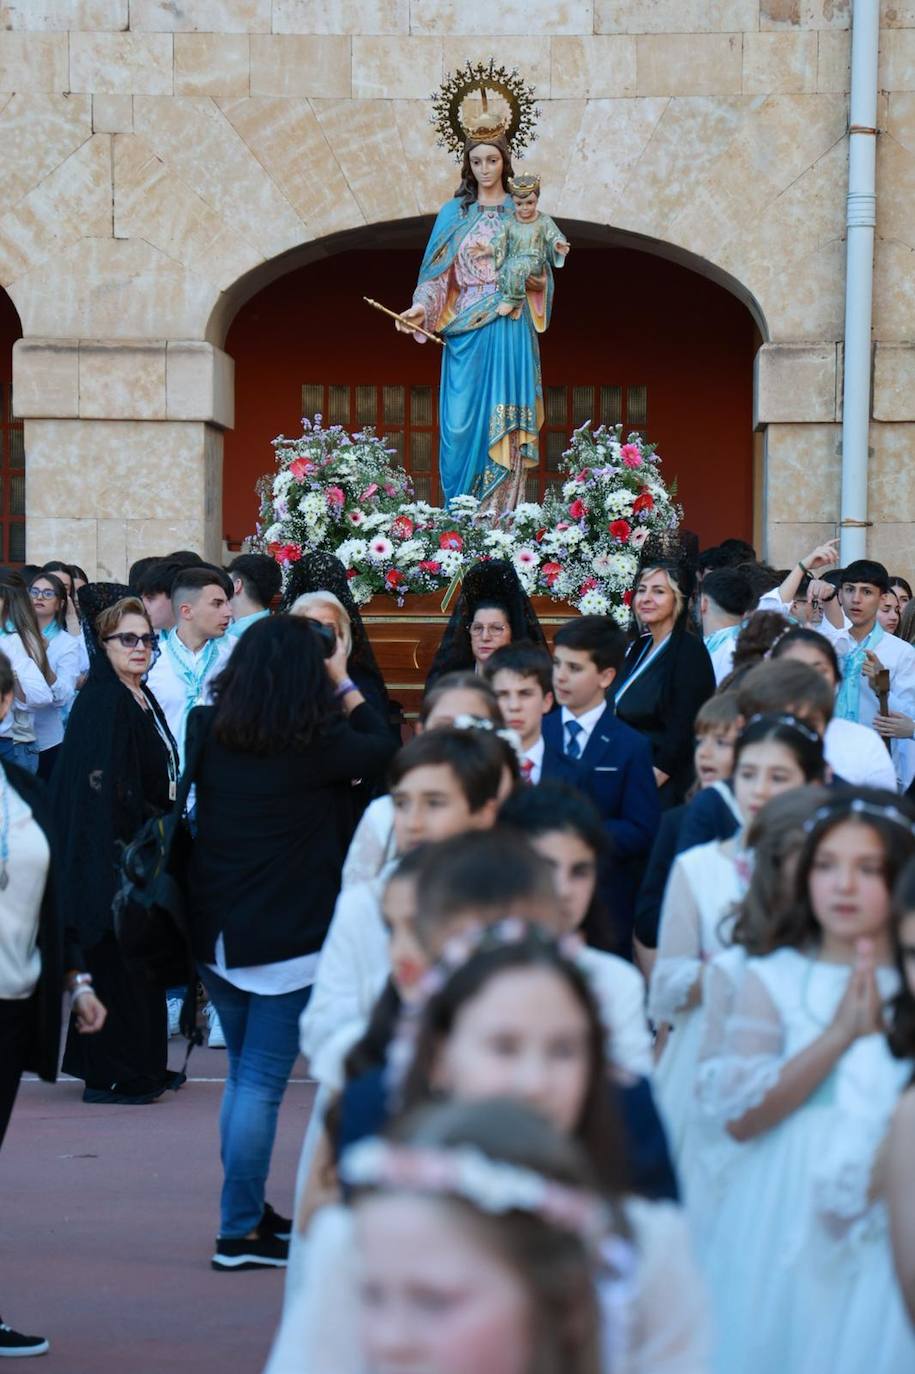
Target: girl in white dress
(773, 754)
(797, 1067)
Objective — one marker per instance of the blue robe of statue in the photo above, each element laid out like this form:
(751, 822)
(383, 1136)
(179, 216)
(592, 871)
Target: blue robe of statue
(490, 384)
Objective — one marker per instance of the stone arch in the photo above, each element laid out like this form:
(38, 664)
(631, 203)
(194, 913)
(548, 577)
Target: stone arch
(281, 334)
(12, 449)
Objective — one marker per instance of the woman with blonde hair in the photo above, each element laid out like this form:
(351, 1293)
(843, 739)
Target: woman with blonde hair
(667, 673)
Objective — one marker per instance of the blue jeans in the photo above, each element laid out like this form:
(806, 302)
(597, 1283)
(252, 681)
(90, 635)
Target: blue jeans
(262, 1040)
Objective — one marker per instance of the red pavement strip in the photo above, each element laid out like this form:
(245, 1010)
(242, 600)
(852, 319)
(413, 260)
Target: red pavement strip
(108, 1220)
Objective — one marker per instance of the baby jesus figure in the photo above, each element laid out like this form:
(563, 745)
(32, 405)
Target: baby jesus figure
(522, 249)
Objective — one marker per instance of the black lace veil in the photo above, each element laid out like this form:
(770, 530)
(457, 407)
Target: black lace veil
(491, 581)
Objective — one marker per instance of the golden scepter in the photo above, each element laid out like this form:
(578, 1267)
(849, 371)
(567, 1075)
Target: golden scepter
(415, 328)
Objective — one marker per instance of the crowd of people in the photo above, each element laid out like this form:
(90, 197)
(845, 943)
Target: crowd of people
(604, 967)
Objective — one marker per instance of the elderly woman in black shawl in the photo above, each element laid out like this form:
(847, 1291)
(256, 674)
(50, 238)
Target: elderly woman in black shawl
(493, 609)
(117, 767)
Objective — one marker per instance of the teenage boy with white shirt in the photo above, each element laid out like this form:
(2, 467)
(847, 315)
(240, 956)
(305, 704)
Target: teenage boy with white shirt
(725, 598)
(195, 651)
(256, 580)
(521, 675)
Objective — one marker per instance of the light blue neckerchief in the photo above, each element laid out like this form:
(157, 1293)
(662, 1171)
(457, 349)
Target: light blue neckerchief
(51, 630)
(715, 641)
(192, 670)
(847, 698)
(238, 627)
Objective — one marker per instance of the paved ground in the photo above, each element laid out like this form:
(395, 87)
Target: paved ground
(107, 1220)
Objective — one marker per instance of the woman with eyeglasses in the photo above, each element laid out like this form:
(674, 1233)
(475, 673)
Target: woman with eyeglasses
(492, 610)
(49, 602)
(117, 767)
(25, 647)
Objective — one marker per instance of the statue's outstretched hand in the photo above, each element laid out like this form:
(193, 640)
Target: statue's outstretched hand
(416, 315)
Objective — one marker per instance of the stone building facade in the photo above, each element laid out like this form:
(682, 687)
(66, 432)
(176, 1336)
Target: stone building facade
(163, 160)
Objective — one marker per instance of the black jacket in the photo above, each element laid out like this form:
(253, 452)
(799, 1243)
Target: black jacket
(272, 833)
(59, 948)
(662, 704)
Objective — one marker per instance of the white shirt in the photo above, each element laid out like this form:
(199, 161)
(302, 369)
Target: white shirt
(28, 675)
(268, 980)
(587, 723)
(171, 691)
(857, 754)
(373, 845)
(63, 656)
(535, 756)
(723, 656)
(894, 654)
(20, 901)
(352, 970)
(620, 992)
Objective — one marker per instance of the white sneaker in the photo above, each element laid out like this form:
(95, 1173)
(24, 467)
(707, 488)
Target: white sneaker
(174, 1016)
(215, 1040)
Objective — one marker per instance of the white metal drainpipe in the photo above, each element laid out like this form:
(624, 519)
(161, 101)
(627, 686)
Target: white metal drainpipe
(859, 278)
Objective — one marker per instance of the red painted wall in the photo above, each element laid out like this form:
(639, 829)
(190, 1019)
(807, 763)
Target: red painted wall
(620, 316)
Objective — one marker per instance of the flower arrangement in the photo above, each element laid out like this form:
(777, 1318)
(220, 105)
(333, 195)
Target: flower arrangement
(342, 494)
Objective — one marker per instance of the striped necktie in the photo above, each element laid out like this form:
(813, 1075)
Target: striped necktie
(573, 745)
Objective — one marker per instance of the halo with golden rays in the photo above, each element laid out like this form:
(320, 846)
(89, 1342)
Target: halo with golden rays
(482, 100)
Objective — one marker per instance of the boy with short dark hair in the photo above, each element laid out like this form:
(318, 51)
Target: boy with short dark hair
(256, 580)
(521, 676)
(609, 761)
(725, 598)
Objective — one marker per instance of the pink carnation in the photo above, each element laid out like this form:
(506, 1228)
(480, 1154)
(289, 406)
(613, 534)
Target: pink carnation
(578, 510)
(335, 497)
(369, 492)
(429, 565)
(301, 468)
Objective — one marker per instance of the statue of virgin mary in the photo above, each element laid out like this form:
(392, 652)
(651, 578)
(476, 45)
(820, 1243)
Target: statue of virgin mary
(490, 396)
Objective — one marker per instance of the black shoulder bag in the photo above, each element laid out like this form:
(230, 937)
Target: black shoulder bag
(150, 906)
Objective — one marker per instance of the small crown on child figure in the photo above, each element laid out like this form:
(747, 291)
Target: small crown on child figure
(524, 184)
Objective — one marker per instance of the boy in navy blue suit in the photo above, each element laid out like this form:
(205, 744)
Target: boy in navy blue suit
(608, 760)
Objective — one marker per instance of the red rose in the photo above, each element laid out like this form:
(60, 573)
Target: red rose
(301, 468)
(539, 535)
(627, 598)
(429, 565)
(643, 502)
(285, 553)
(550, 572)
(451, 540)
(350, 574)
(578, 510)
(402, 527)
(620, 529)
(394, 578)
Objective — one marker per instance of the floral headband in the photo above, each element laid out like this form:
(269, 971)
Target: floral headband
(455, 953)
(859, 807)
(490, 1185)
(511, 737)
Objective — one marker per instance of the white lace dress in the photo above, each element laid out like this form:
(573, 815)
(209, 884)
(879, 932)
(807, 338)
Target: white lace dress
(797, 1261)
(702, 890)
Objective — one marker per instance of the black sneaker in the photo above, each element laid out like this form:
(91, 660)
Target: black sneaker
(111, 1095)
(15, 1346)
(262, 1252)
(272, 1224)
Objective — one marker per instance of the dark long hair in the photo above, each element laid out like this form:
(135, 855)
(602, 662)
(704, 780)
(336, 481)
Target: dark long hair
(467, 190)
(597, 1130)
(18, 611)
(902, 1007)
(795, 925)
(60, 591)
(274, 693)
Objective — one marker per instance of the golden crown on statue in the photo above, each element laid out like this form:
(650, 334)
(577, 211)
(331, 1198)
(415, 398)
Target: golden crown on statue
(524, 184)
(480, 101)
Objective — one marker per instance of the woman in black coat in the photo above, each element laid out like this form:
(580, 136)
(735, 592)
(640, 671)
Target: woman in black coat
(273, 762)
(117, 768)
(38, 955)
(666, 676)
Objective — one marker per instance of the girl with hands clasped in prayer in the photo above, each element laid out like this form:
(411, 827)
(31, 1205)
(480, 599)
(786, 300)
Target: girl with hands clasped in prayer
(797, 1068)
